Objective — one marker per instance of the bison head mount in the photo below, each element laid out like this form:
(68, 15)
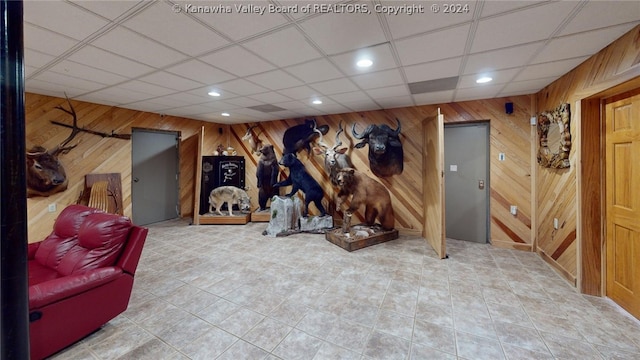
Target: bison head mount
(386, 156)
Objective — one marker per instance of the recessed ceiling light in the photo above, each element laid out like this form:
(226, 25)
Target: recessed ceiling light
(317, 102)
(483, 80)
(213, 93)
(364, 63)
(225, 114)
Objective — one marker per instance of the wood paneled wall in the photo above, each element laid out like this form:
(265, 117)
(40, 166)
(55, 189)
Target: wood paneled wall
(579, 259)
(510, 179)
(95, 154)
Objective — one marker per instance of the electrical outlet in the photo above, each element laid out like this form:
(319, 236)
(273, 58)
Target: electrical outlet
(556, 223)
(514, 210)
(52, 208)
(501, 156)
(533, 120)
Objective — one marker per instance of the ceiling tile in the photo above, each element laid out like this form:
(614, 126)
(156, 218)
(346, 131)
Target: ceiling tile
(63, 18)
(65, 81)
(276, 47)
(499, 77)
(379, 79)
(146, 88)
(203, 93)
(313, 71)
(198, 71)
(294, 105)
(74, 69)
(135, 47)
(501, 59)
(36, 59)
(437, 97)
(158, 22)
(235, 23)
(581, 44)
(101, 59)
(508, 30)
(96, 99)
(403, 24)
(108, 9)
(433, 70)
(326, 109)
(351, 97)
(496, 7)
(45, 41)
(362, 106)
(433, 46)
(147, 106)
(164, 102)
(395, 102)
(599, 14)
(241, 87)
(300, 92)
(51, 88)
(171, 81)
(528, 86)
(386, 92)
(327, 31)
(381, 56)
(334, 86)
(121, 95)
(473, 92)
(270, 97)
(549, 69)
(275, 80)
(244, 102)
(237, 61)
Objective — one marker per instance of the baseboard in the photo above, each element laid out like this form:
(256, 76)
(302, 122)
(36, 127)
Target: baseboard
(554, 264)
(511, 245)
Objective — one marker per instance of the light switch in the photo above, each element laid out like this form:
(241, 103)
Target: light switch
(514, 210)
(556, 223)
(501, 156)
(453, 167)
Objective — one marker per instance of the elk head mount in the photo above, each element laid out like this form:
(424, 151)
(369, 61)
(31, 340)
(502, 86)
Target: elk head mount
(45, 173)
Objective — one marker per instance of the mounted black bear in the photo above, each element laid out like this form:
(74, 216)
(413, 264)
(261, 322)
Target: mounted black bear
(301, 136)
(300, 179)
(267, 175)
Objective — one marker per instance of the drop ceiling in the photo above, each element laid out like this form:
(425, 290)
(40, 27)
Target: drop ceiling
(166, 56)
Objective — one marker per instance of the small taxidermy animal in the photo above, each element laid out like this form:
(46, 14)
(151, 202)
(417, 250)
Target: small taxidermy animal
(230, 195)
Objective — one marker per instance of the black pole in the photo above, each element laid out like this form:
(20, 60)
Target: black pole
(14, 296)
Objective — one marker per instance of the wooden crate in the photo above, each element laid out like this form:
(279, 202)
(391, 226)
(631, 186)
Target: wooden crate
(351, 243)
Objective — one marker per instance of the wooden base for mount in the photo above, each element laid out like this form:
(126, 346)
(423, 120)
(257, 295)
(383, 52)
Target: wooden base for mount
(261, 216)
(238, 218)
(353, 241)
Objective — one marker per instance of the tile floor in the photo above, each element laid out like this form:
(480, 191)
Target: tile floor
(227, 292)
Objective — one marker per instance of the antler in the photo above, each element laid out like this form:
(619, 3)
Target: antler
(62, 147)
(319, 141)
(75, 129)
(338, 141)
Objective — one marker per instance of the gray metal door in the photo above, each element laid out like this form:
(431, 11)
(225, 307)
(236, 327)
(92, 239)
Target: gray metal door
(154, 175)
(467, 181)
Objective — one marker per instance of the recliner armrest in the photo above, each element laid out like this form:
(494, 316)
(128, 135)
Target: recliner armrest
(57, 289)
(31, 250)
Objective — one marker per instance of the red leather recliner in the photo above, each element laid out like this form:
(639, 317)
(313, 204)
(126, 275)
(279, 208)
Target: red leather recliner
(80, 276)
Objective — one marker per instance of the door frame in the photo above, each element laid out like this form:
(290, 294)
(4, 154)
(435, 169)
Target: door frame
(178, 135)
(487, 125)
(590, 187)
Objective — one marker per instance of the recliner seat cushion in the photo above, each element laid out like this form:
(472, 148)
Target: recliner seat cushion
(100, 240)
